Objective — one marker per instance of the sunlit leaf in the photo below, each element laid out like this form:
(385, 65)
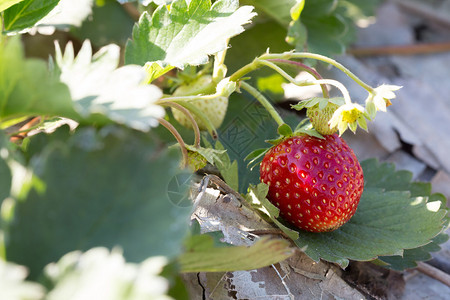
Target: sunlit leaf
(205, 257)
(4, 4)
(186, 34)
(103, 92)
(26, 13)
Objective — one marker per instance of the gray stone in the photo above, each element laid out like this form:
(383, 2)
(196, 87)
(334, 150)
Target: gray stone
(441, 184)
(390, 28)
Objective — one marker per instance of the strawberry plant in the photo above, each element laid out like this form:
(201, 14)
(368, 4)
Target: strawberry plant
(95, 168)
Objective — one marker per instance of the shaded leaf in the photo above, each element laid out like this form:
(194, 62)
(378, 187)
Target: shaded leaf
(227, 168)
(101, 27)
(101, 188)
(5, 172)
(186, 34)
(28, 88)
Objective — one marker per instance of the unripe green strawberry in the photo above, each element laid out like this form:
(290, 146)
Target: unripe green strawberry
(315, 183)
(214, 109)
(320, 111)
(320, 117)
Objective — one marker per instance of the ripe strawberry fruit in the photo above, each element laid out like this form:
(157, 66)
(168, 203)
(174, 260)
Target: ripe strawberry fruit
(316, 183)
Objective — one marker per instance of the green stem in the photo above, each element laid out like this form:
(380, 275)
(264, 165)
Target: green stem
(244, 70)
(299, 55)
(2, 29)
(255, 93)
(321, 82)
(305, 68)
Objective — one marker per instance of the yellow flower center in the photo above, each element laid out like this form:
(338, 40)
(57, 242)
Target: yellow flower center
(350, 116)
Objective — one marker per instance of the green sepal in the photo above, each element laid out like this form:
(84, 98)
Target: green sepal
(285, 130)
(255, 157)
(305, 127)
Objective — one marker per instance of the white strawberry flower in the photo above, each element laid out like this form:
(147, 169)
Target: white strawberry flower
(348, 116)
(383, 94)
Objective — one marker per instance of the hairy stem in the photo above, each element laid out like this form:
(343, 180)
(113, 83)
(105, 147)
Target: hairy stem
(188, 114)
(300, 55)
(244, 70)
(255, 93)
(179, 139)
(337, 84)
(201, 116)
(306, 69)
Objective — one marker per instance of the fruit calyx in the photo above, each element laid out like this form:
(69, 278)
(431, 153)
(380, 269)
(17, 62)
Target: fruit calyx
(315, 183)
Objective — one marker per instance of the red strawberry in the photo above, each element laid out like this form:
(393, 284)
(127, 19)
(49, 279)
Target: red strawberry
(316, 183)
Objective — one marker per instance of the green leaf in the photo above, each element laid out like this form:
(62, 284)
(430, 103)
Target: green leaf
(279, 11)
(297, 9)
(103, 93)
(410, 257)
(4, 4)
(319, 8)
(227, 168)
(119, 279)
(186, 34)
(101, 188)
(271, 85)
(101, 27)
(206, 257)
(255, 41)
(387, 222)
(28, 88)
(154, 70)
(13, 284)
(384, 177)
(26, 13)
(325, 34)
